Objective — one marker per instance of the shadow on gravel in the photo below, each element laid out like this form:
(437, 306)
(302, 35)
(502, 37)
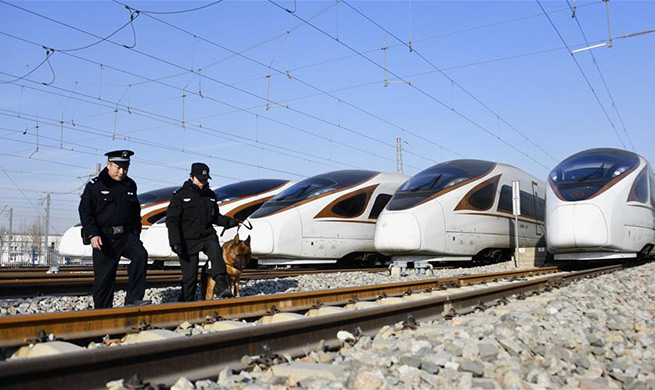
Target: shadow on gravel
(259, 287)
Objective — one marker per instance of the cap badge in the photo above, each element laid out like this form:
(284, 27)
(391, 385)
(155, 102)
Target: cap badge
(124, 154)
(204, 171)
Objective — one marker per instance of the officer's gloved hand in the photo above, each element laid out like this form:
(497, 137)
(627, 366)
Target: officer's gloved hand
(177, 248)
(232, 223)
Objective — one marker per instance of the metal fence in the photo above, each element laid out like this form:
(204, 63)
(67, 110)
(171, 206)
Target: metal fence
(25, 253)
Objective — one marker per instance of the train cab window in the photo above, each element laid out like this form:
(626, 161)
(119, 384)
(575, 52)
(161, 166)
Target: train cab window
(531, 206)
(378, 205)
(438, 180)
(156, 217)
(246, 188)
(351, 207)
(156, 196)
(652, 187)
(243, 214)
(588, 173)
(639, 190)
(312, 187)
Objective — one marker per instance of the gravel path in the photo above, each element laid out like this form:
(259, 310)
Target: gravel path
(594, 334)
(49, 304)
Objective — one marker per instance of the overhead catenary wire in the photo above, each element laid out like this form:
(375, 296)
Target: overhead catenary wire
(263, 98)
(26, 197)
(431, 97)
(466, 91)
(600, 73)
(344, 144)
(584, 75)
(307, 84)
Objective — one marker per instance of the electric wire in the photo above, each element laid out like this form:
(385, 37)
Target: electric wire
(209, 78)
(431, 97)
(176, 122)
(25, 195)
(466, 91)
(322, 91)
(600, 73)
(584, 75)
(180, 11)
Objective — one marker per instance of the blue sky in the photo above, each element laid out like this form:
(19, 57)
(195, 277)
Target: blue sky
(272, 93)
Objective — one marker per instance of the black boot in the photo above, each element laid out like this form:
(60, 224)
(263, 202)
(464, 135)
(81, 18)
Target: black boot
(221, 289)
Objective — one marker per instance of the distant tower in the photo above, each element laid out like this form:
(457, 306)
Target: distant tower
(399, 155)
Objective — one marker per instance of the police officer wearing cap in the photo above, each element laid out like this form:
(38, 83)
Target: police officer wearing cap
(111, 223)
(191, 215)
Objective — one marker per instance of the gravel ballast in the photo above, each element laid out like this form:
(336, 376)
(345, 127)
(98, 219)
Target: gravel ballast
(51, 304)
(594, 334)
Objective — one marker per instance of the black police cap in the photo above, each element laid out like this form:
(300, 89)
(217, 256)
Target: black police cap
(200, 171)
(119, 156)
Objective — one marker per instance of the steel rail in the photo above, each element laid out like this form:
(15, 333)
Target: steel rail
(16, 330)
(21, 285)
(204, 356)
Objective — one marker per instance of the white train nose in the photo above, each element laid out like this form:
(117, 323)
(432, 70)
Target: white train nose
(578, 226)
(155, 240)
(71, 244)
(261, 238)
(397, 232)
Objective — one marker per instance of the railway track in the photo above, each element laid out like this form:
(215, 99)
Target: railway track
(27, 283)
(203, 356)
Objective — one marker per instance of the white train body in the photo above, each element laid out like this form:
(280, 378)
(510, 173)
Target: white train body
(460, 209)
(237, 200)
(323, 218)
(600, 204)
(153, 207)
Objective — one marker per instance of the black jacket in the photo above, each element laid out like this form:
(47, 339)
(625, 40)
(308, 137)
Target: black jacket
(191, 215)
(106, 202)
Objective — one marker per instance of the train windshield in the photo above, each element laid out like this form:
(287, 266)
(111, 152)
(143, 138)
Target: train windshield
(156, 196)
(584, 174)
(312, 187)
(246, 188)
(430, 182)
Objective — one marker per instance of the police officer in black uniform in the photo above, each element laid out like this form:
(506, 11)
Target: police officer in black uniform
(111, 223)
(191, 215)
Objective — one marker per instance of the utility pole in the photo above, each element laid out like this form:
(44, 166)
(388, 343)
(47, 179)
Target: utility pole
(11, 225)
(399, 155)
(97, 169)
(47, 225)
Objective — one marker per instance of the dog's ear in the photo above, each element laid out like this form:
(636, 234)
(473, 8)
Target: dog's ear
(247, 241)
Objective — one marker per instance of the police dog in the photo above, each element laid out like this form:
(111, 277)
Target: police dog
(237, 255)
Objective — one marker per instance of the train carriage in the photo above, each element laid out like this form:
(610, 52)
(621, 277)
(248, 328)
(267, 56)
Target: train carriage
(460, 210)
(601, 205)
(322, 219)
(237, 200)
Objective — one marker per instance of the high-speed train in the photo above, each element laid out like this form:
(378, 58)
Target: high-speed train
(238, 200)
(461, 210)
(601, 205)
(153, 207)
(322, 219)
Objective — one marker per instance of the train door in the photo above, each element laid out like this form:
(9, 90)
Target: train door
(539, 209)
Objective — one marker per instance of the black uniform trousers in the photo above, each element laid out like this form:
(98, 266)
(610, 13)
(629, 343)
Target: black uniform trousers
(189, 265)
(105, 263)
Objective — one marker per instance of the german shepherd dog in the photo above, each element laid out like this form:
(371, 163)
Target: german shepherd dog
(237, 255)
